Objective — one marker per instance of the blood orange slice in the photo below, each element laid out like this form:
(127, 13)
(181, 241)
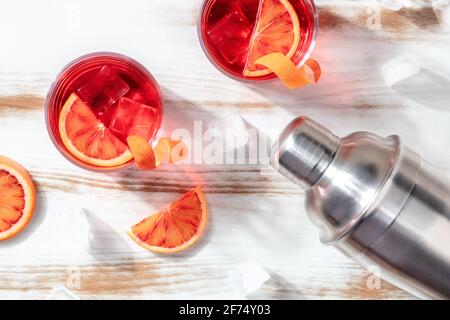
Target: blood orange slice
(277, 30)
(17, 198)
(87, 138)
(175, 227)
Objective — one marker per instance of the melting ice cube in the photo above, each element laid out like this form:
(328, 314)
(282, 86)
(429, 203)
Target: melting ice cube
(75, 227)
(103, 90)
(399, 69)
(390, 4)
(234, 131)
(60, 292)
(446, 17)
(399, 4)
(249, 277)
(231, 37)
(137, 95)
(124, 116)
(144, 122)
(442, 10)
(133, 118)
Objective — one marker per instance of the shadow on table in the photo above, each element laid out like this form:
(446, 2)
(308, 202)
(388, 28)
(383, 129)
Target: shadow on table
(427, 88)
(179, 114)
(277, 288)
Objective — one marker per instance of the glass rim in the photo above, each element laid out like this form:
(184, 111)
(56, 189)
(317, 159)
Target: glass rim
(53, 86)
(250, 80)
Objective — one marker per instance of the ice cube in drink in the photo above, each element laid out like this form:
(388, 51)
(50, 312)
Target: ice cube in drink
(102, 91)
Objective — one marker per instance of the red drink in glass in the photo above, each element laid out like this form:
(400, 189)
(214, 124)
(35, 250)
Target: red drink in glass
(102, 80)
(225, 28)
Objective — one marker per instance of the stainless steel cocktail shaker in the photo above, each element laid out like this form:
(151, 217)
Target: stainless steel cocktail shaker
(375, 200)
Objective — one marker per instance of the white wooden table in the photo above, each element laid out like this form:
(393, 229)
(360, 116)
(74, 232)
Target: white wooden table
(256, 215)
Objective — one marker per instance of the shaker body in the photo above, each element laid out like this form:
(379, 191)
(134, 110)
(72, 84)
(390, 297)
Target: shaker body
(413, 252)
(375, 200)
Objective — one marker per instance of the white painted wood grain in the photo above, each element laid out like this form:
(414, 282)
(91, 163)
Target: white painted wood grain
(254, 216)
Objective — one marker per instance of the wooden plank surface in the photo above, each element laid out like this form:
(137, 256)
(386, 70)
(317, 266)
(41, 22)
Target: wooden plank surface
(256, 215)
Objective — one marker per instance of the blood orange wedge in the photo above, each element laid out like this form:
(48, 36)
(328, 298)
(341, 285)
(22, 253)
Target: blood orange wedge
(174, 228)
(17, 198)
(87, 138)
(277, 30)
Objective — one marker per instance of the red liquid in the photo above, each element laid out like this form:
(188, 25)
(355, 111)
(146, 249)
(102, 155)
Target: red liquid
(134, 79)
(226, 26)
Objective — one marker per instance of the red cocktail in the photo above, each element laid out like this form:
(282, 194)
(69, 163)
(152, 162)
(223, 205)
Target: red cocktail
(235, 33)
(95, 103)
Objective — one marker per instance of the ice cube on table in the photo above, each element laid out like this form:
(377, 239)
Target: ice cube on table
(391, 4)
(446, 17)
(103, 90)
(60, 292)
(76, 229)
(133, 118)
(399, 4)
(233, 130)
(399, 69)
(249, 277)
(231, 36)
(94, 233)
(442, 10)
(101, 237)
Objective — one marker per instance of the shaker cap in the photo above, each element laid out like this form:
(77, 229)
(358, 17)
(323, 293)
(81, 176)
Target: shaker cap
(303, 151)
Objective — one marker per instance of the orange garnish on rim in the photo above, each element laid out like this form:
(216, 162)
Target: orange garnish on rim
(142, 152)
(292, 76)
(167, 151)
(175, 227)
(17, 198)
(277, 30)
(87, 138)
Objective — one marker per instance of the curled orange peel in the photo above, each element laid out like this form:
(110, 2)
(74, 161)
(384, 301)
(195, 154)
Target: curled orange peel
(169, 151)
(166, 151)
(142, 152)
(292, 76)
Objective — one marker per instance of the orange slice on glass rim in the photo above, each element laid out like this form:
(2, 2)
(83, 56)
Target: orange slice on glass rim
(277, 30)
(87, 138)
(175, 227)
(17, 198)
